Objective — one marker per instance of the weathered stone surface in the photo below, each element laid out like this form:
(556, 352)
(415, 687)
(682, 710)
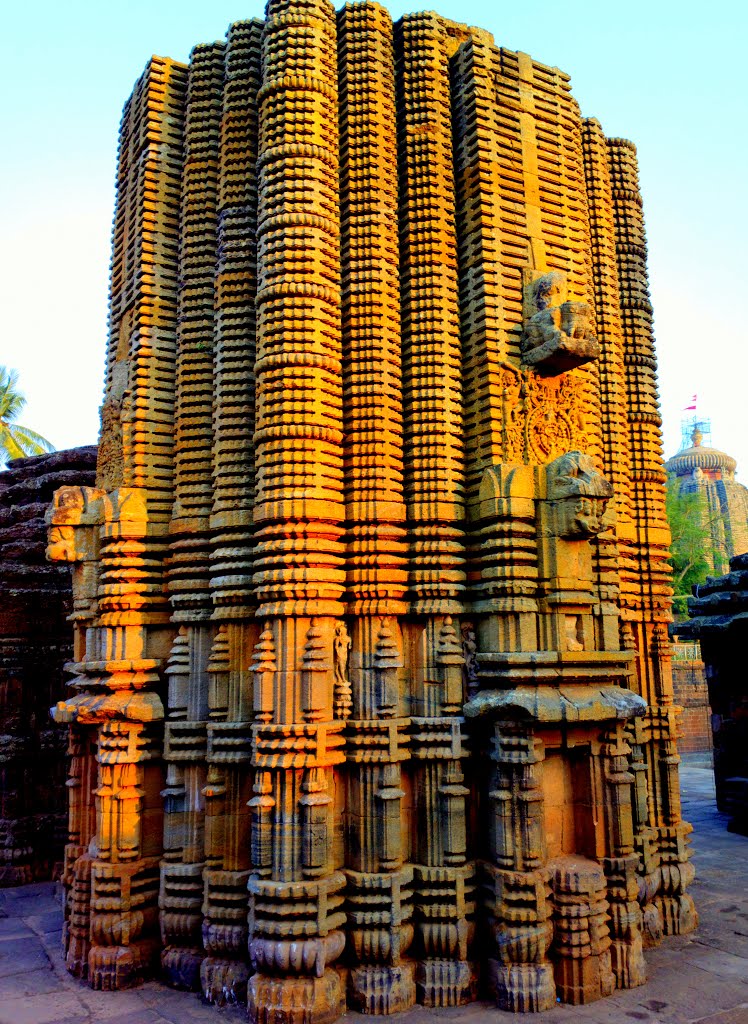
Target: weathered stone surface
(380, 447)
(565, 703)
(35, 644)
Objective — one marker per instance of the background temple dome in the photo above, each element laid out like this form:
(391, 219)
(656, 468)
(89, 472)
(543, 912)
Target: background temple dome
(703, 469)
(713, 463)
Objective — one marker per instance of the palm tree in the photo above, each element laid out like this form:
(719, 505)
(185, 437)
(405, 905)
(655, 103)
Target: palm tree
(16, 441)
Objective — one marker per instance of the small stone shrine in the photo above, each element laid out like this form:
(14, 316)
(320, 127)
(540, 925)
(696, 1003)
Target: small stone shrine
(372, 700)
(35, 644)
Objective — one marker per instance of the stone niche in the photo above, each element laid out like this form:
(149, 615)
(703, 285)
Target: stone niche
(372, 701)
(35, 644)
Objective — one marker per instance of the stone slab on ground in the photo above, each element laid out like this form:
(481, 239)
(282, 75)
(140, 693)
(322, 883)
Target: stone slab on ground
(696, 979)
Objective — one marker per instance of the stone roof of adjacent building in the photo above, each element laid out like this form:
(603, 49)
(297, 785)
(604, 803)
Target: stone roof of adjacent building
(718, 604)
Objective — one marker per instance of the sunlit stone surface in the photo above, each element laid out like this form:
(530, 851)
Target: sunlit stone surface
(373, 695)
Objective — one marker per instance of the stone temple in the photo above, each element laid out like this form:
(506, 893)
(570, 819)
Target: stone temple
(700, 469)
(372, 702)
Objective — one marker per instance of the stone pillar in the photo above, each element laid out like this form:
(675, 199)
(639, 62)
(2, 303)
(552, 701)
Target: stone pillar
(299, 570)
(434, 494)
(518, 893)
(228, 786)
(181, 892)
(118, 677)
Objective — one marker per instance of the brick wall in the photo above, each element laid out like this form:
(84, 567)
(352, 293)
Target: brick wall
(690, 692)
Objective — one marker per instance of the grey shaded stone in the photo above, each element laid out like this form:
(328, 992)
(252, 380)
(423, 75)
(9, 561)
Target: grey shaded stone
(22, 955)
(28, 983)
(557, 704)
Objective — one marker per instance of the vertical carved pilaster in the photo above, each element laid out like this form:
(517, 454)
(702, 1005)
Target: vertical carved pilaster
(652, 539)
(76, 876)
(125, 869)
(380, 879)
(517, 889)
(228, 787)
(185, 749)
(235, 320)
(74, 521)
(445, 898)
(298, 513)
(434, 494)
(228, 812)
(622, 863)
(616, 453)
(381, 980)
(371, 331)
(181, 892)
(432, 378)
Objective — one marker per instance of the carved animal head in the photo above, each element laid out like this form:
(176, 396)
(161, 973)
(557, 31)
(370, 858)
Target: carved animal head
(580, 493)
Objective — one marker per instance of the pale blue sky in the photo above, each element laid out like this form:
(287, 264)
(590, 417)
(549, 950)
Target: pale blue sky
(668, 75)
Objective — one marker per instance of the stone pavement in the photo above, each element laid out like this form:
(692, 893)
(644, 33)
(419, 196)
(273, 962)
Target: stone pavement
(701, 978)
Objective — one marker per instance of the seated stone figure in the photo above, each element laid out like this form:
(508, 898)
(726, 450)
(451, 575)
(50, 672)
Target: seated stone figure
(560, 335)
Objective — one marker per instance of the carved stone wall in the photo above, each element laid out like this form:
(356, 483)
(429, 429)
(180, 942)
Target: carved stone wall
(380, 457)
(35, 644)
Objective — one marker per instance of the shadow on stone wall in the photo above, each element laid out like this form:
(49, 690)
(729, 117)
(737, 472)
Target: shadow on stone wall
(35, 643)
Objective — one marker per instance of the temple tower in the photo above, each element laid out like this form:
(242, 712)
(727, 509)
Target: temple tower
(372, 694)
(700, 469)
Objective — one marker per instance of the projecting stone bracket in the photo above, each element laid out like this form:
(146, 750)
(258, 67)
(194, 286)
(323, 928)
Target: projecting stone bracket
(550, 704)
(95, 708)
